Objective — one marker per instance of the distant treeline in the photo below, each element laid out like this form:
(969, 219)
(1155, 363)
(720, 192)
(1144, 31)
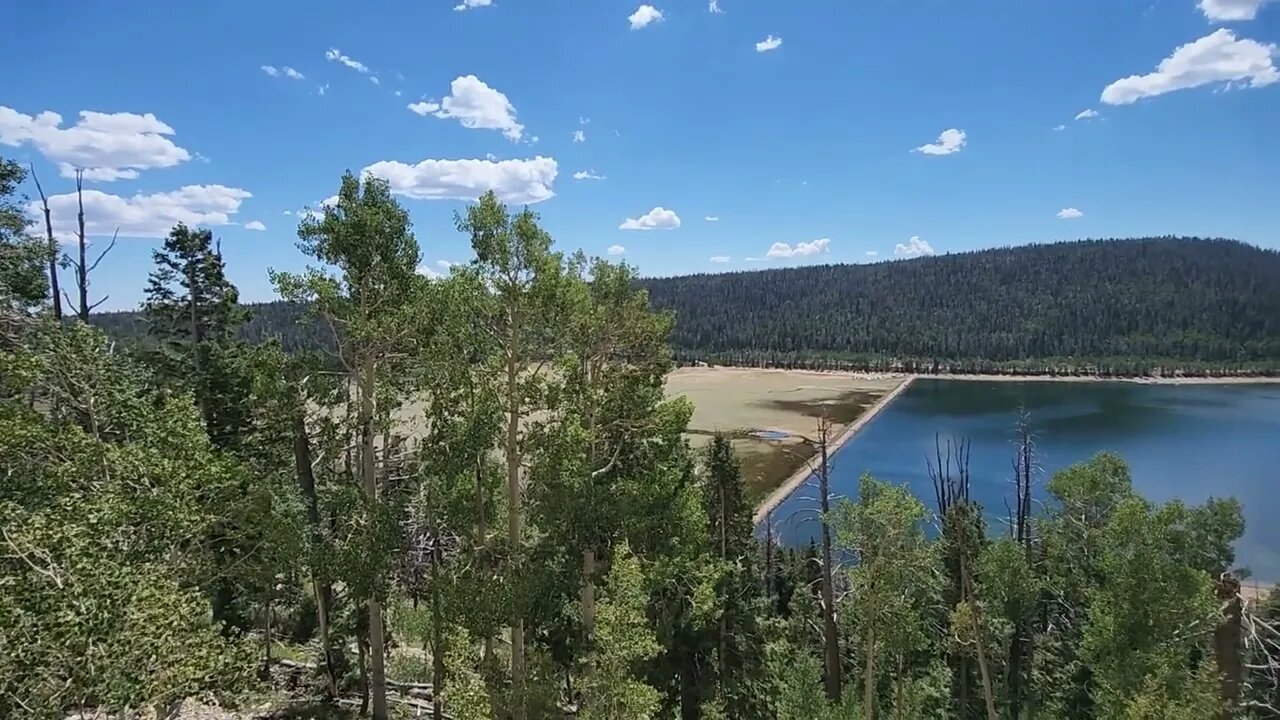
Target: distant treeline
(1110, 307)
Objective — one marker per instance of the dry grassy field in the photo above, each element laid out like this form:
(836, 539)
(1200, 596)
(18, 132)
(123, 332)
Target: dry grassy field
(741, 402)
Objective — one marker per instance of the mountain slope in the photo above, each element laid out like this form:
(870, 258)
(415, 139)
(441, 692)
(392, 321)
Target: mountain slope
(1183, 301)
(1178, 298)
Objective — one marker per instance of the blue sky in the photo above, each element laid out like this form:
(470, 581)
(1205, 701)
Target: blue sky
(813, 130)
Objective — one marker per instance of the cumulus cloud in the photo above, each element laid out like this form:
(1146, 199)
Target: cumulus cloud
(616, 250)
(1087, 114)
(424, 108)
(1069, 213)
(428, 272)
(712, 218)
(1229, 10)
(644, 15)
(915, 247)
(713, 6)
(514, 181)
(270, 70)
(800, 249)
(145, 215)
(292, 74)
(658, 218)
(579, 136)
(337, 56)
(718, 259)
(949, 141)
(1213, 59)
(587, 175)
(468, 4)
(254, 225)
(769, 43)
(476, 106)
(108, 146)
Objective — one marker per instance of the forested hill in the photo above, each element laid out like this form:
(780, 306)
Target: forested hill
(1130, 302)
(1184, 299)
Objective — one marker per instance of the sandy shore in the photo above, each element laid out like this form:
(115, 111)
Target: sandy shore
(797, 478)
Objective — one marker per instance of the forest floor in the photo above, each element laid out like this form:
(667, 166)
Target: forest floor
(764, 412)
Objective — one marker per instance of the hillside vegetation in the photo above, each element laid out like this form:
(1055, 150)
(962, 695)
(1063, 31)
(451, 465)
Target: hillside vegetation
(1122, 306)
(1182, 299)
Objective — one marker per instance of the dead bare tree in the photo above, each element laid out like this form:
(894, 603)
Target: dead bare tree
(54, 292)
(957, 514)
(1020, 648)
(81, 265)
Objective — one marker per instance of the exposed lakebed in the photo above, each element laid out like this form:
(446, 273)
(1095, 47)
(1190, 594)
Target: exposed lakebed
(1185, 441)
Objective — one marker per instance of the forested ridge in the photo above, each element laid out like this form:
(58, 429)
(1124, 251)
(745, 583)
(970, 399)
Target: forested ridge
(483, 506)
(1185, 300)
(1114, 306)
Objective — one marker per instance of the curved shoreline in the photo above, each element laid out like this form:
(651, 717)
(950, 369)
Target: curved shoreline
(798, 478)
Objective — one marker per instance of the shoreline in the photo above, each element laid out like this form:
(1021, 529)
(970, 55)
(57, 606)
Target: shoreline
(1140, 380)
(802, 473)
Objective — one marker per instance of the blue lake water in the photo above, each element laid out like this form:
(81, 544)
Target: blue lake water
(1185, 441)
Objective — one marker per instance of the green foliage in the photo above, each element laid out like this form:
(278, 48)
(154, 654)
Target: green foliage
(23, 258)
(104, 495)
(623, 641)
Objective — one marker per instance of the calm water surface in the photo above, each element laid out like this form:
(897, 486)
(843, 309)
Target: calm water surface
(1185, 441)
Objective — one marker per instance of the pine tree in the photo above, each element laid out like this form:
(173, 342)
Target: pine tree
(194, 319)
(744, 684)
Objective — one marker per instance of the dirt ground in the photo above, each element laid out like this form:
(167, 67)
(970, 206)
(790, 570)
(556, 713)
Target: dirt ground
(741, 401)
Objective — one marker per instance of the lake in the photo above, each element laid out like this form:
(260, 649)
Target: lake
(1185, 441)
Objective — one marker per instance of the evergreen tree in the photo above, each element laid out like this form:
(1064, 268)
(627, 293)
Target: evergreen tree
(744, 682)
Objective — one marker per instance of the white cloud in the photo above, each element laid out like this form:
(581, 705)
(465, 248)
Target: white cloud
(468, 4)
(336, 55)
(579, 136)
(288, 212)
(871, 253)
(713, 6)
(1215, 58)
(712, 218)
(719, 259)
(616, 250)
(109, 146)
(478, 107)
(1228, 10)
(800, 249)
(142, 215)
(514, 181)
(950, 141)
(769, 43)
(1069, 213)
(293, 74)
(444, 264)
(658, 218)
(254, 225)
(320, 89)
(914, 247)
(587, 175)
(1059, 128)
(584, 120)
(374, 79)
(424, 108)
(270, 70)
(427, 272)
(1087, 114)
(644, 15)
(398, 93)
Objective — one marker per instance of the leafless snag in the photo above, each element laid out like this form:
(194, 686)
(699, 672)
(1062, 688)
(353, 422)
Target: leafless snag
(54, 292)
(82, 266)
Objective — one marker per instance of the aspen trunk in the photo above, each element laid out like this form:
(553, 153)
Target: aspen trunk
(369, 481)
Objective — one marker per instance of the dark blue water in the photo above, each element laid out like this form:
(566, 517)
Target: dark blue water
(1185, 441)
